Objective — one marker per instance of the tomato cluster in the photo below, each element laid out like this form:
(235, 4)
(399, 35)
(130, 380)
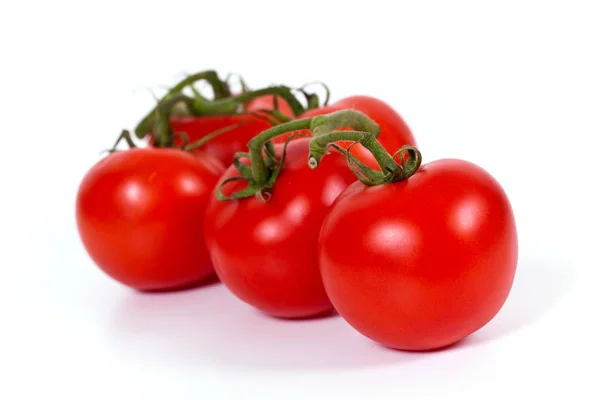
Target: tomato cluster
(301, 210)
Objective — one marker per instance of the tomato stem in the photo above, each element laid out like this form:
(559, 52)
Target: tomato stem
(200, 106)
(242, 82)
(235, 104)
(308, 95)
(219, 87)
(126, 136)
(351, 119)
(263, 171)
(320, 143)
(163, 133)
(409, 156)
(260, 172)
(224, 103)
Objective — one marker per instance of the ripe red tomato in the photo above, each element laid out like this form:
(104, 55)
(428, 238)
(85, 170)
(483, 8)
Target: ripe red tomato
(267, 102)
(224, 146)
(266, 252)
(394, 132)
(140, 215)
(422, 263)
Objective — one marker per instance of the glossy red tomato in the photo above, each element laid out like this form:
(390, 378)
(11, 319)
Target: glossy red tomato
(266, 252)
(140, 215)
(224, 146)
(267, 102)
(422, 263)
(394, 132)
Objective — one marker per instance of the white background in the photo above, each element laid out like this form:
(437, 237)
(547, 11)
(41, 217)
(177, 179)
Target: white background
(511, 85)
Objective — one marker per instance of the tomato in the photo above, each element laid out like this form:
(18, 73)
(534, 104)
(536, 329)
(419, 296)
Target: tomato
(140, 215)
(267, 102)
(394, 132)
(422, 263)
(224, 146)
(266, 252)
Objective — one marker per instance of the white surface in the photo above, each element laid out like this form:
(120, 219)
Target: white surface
(514, 87)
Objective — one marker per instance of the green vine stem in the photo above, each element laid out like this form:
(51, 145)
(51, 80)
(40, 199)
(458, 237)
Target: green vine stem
(164, 135)
(169, 142)
(391, 171)
(199, 106)
(220, 89)
(162, 132)
(231, 105)
(126, 136)
(320, 144)
(260, 172)
(351, 119)
(264, 169)
(310, 97)
(224, 102)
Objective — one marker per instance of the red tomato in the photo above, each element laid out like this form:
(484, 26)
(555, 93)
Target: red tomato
(140, 215)
(267, 102)
(422, 263)
(266, 252)
(394, 132)
(224, 146)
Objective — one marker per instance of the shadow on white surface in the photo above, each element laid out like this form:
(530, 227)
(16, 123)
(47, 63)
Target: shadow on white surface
(209, 326)
(537, 288)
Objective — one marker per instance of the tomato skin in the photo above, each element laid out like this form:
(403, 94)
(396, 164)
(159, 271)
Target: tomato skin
(267, 102)
(140, 215)
(423, 263)
(266, 253)
(224, 146)
(394, 132)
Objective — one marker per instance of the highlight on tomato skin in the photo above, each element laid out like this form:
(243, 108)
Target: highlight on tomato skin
(140, 215)
(265, 252)
(422, 263)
